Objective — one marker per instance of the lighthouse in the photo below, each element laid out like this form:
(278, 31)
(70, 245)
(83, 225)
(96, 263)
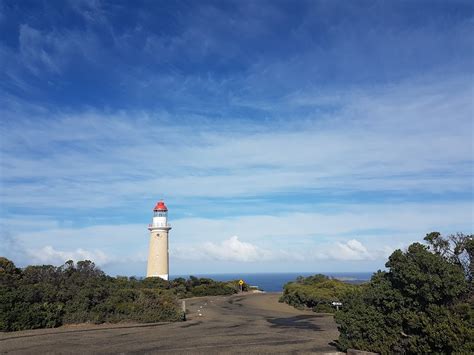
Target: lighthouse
(158, 259)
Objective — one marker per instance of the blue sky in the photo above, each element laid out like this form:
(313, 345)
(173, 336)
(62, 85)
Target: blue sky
(283, 135)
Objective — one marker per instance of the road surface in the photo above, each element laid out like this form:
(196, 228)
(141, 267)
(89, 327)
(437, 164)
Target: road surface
(252, 323)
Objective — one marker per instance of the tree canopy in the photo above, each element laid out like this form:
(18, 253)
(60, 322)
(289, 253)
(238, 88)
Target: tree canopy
(422, 304)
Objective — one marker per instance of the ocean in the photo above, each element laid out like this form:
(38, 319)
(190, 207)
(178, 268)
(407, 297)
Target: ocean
(273, 282)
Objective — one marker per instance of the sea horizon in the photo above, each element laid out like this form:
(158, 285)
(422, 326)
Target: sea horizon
(274, 281)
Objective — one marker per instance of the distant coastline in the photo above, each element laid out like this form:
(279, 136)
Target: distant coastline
(273, 282)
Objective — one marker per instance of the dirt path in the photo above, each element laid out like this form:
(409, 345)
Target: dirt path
(254, 323)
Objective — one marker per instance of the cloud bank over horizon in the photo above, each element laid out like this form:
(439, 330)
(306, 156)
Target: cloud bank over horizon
(284, 136)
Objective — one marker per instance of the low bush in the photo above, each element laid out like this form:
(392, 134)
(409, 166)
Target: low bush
(47, 296)
(316, 292)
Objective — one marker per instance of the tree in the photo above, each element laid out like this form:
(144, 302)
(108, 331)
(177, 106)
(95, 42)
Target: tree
(458, 248)
(418, 306)
(426, 278)
(8, 267)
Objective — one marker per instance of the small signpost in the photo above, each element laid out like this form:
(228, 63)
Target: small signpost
(241, 283)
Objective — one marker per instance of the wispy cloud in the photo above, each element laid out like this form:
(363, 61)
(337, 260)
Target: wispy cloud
(316, 126)
(376, 143)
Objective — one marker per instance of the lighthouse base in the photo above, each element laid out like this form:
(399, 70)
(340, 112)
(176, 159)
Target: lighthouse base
(162, 276)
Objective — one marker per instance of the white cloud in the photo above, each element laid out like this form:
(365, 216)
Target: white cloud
(235, 250)
(410, 220)
(355, 250)
(231, 249)
(351, 250)
(333, 232)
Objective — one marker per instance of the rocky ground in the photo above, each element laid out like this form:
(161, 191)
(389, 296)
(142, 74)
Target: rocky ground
(251, 323)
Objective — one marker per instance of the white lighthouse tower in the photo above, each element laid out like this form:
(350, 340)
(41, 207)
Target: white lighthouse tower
(158, 259)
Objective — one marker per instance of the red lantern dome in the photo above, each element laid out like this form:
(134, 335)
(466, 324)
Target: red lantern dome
(160, 206)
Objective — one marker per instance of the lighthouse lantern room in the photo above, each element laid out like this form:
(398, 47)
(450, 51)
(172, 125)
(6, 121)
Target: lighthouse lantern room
(160, 215)
(158, 257)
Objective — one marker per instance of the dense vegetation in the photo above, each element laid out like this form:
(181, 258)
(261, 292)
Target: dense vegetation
(48, 296)
(316, 292)
(422, 304)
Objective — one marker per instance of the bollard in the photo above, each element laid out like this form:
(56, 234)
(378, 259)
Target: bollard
(183, 308)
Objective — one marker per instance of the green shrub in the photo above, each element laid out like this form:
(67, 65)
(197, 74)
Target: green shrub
(316, 292)
(423, 304)
(213, 290)
(47, 296)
